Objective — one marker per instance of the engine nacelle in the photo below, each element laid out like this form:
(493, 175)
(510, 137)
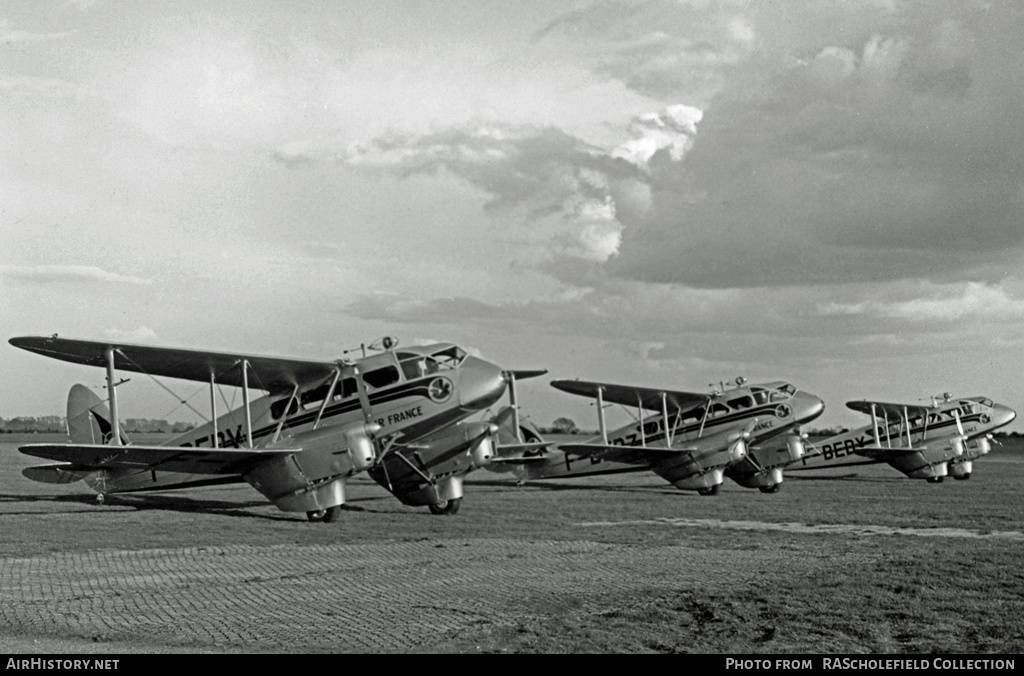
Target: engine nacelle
(796, 447)
(956, 442)
(359, 438)
(961, 470)
(738, 450)
(981, 447)
(697, 482)
(482, 451)
(931, 472)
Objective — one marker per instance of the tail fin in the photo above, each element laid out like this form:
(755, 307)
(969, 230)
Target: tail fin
(89, 418)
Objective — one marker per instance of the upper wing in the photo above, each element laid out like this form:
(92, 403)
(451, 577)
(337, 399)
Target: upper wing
(268, 373)
(89, 457)
(886, 410)
(628, 395)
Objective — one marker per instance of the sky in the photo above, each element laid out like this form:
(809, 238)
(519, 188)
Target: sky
(667, 193)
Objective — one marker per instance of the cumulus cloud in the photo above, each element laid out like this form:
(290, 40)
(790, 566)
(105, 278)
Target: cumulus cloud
(537, 175)
(971, 300)
(661, 48)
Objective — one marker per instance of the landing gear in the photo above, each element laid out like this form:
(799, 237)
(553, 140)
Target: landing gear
(329, 515)
(774, 488)
(447, 507)
(963, 477)
(709, 491)
(934, 479)
(100, 498)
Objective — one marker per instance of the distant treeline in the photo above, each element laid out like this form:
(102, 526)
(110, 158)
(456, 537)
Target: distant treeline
(56, 423)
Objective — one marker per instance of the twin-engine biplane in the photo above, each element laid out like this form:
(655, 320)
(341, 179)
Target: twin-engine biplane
(401, 415)
(923, 442)
(692, 439)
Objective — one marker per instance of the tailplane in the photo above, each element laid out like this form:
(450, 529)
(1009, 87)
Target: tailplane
(516, 447)
(89, 418)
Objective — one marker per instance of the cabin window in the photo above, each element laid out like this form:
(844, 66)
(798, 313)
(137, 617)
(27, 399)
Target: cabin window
(718, 410)
(741, 402)
(381, 377)
(760, 396)
(278, 407)
(414, 368)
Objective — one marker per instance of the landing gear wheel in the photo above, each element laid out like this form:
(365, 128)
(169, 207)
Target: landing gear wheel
(934, 479)
(709, 491)
(332, 514)
(316, 516)
(963, 477)
(448, 507)
(774, 488)
(100, 498)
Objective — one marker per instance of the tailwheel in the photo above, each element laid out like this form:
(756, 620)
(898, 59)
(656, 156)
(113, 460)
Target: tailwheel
(447, 507)
(774, 488)
(709, 491)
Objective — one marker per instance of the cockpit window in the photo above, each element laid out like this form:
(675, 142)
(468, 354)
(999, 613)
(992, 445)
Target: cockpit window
(986, 402)
(449, 359)
(783, 392)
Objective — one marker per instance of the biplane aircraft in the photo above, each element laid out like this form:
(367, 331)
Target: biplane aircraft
(691, 440)
(401, 415)
(923, 442)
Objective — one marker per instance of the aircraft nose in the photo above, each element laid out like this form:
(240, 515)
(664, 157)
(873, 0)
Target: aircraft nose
(481, 384)
(1004, 415)
(808, 406)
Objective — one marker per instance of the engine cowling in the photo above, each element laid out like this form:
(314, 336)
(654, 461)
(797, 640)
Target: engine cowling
(981, 446)
(796, 447)
(956, 442)
(961, 470)
(359, 438)
(483, 451)
(738, 450)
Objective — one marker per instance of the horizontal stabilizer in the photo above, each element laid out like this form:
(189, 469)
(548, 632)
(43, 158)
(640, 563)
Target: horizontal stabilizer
(61, 473)
(88, 457)
(524, 374)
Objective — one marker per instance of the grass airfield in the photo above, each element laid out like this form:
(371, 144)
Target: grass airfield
(866, 562)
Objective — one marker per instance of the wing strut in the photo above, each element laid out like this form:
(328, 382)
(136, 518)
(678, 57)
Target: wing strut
(213, 407)
(664, 413)
(906, 418)
(245, 401)
(284, 416)
(874, 427)
(327, 399)
(640, 414)
(115, 438)
(600, 415)
(511, 380)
